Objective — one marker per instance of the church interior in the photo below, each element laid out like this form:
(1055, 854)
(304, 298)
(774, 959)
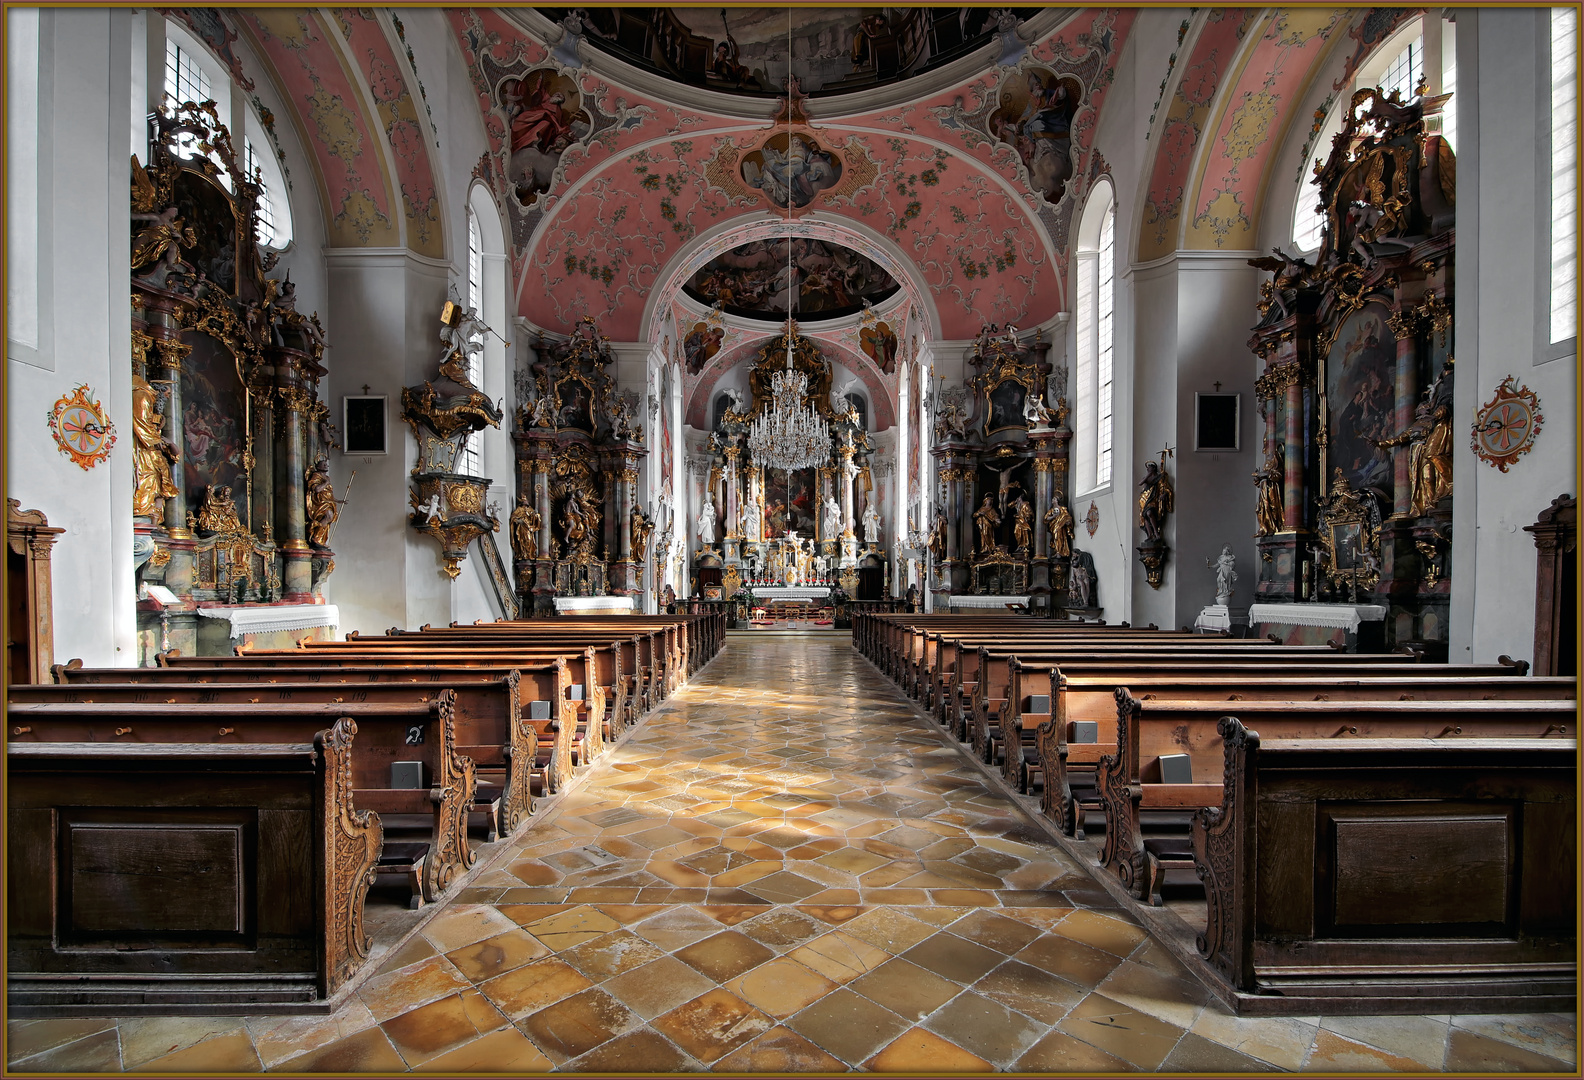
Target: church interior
(959, 539)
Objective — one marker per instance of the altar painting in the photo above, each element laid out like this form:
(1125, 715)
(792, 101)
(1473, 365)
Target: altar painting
(1360, 398)
(206, 210)
(213, 417)
(1006, 407)
(789, 502)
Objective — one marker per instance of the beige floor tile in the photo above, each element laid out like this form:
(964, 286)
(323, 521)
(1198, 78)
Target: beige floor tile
(1176, 1001)
(533, 987)
(657, 987)
(483, 960)
(504, 1051)
(848, 1025)
(1123, 1032)
(780, 987)
(923, 1051)
(1333, 1053)
(1468, 1051)
(368, 1051)
(24, 1038)
(906, 989)
(432, 1029)
(575, 1025)
(778, 1050)
(641, 1051)
(889, 929)
(839, 956)
(277, 1038)
(1553, 1035)
(1282, 1041)
(145, 1038)
(463, 925)
(388, 995)
(713, 1025)
(1116, 936)
(1417, 1038)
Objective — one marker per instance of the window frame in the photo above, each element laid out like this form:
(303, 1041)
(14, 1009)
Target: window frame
(1095, 221)
(1547, 350)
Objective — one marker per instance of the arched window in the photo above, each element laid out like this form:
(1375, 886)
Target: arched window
(1095, 339)
(488, 292)
(193, 74)
(723, 402)
(472, 451)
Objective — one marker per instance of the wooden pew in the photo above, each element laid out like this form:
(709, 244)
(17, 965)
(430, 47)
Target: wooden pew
(1129, 780)
(1087, 692)
(385, 731)
(550, 681)
(490, 728)
(181, 877)
(1390, 875)
(583, 667)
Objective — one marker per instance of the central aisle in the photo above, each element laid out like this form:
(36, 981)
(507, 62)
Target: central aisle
(784, 869)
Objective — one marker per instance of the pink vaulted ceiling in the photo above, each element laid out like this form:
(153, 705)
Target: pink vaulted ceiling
(351, 100)
(700, 389)
(927, 177)
(1255, 113)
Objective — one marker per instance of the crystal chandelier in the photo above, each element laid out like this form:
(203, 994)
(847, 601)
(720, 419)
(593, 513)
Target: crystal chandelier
(789, 434)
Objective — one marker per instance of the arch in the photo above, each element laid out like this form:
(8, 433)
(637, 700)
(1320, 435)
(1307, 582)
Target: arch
(698, 399)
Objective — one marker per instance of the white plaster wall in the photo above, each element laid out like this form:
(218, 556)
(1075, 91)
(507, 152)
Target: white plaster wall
(84, 100)
(1503, 232)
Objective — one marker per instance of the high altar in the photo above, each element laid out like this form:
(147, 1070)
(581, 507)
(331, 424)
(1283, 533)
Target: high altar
(755, 519)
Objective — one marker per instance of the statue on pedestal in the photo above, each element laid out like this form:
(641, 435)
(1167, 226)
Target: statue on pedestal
(871, 524)
(753, 521)
(1022, 524)
(1154, 501)
(1226, 574)
(1270, 478)
(706, 522)
(321, 503)
(831, 524)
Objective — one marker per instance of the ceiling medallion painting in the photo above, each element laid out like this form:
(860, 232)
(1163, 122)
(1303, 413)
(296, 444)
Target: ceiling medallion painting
(743, 51)
(772, 278)
(791, 168)
(1035, 118)
(545, 115)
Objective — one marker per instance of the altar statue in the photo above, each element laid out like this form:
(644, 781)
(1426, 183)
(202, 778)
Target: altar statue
(871, 524)
(831, 525)
(640, 525)
(1022, 524)
(987, 519)
(706, 522)
(1059, 524)
(321, 503)
(152, 453)
(753, 522)
(525, 523)
(1269, 479)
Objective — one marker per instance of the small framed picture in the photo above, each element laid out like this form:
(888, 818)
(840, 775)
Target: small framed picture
(363, 421)
(1216, 421)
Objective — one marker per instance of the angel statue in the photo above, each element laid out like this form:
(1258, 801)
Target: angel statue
(462, 332)
(1155, 501)
(1035, 412)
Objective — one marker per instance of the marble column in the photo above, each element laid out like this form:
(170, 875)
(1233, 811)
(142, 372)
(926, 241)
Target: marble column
(1404, 324)
(1293, 488)
(262, 405)
(290, 483)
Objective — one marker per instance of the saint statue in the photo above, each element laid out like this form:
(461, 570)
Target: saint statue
(1226, 574)
(580, 521)
(937, 544)
(640, 525)
(753, 525)
(1081, 580)
(525, 523)
(152, 454)
(1022, 524)
(832, 524)
(1155, 501)
(322, 509)
(987, 519)
(706, 522)
(1429, 456)
(1270, 478)
(1059, 525)
(871, 524)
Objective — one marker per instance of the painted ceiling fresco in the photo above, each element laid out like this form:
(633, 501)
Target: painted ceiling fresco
(745, 51)
(356, 114)
(932, 182)
(770, 279)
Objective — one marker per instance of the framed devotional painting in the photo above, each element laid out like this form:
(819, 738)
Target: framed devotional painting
(363, 421)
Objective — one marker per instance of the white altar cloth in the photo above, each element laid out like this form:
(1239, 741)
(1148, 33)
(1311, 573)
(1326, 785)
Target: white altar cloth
(763, 594)
(996, 603)
(267, 618)
(1336, 616)
(595, 605)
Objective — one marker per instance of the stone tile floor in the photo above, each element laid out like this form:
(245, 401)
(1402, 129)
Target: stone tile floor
(786, 869)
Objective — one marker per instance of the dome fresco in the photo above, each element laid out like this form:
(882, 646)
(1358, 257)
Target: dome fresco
(816, 279)
(744, 50)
